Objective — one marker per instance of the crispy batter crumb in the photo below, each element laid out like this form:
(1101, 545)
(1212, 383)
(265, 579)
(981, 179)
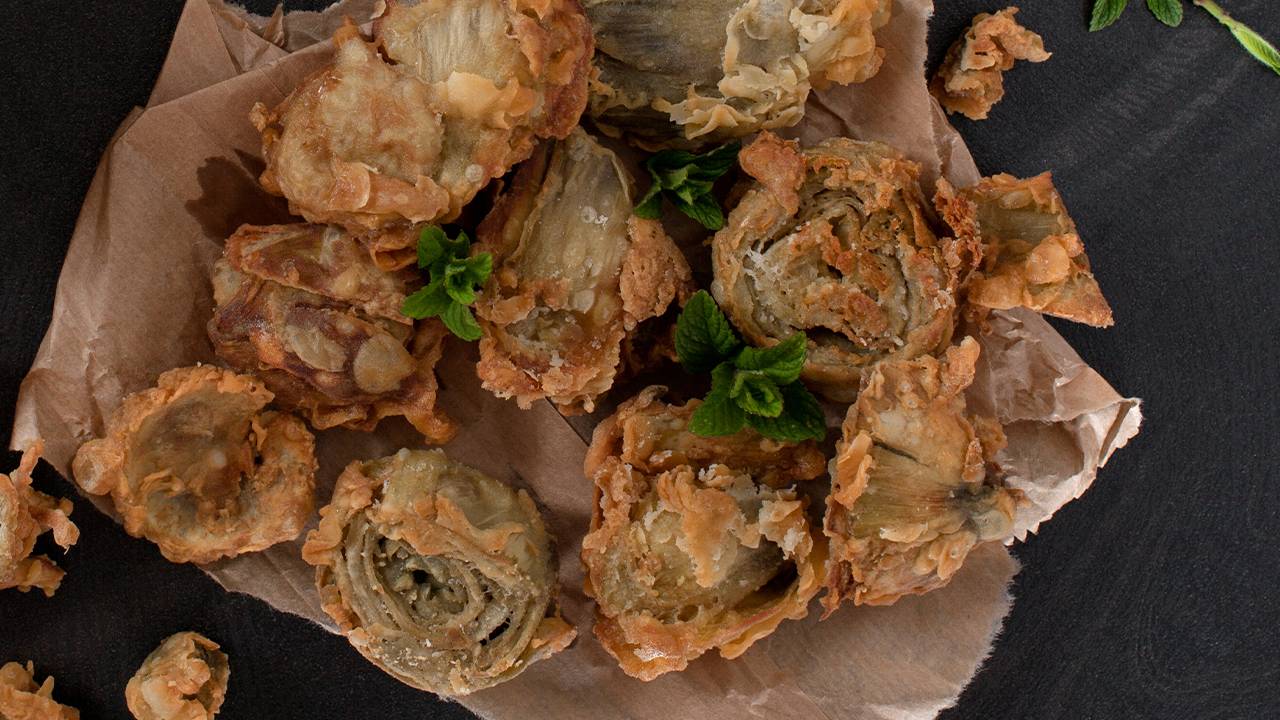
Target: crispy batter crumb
(970, 80)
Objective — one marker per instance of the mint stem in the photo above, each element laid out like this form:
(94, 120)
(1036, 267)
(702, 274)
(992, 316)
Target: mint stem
(1256, 45)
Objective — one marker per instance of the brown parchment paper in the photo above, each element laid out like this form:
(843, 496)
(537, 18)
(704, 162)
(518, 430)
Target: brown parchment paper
(134, 297)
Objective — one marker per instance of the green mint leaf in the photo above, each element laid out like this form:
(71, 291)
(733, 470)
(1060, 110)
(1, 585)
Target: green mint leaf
(756, 394)
(668, 160)
(430, 301)
(1168, 12)
(704, 209)
(650, 206)
(479, 268)
(717, 162)
(718, 414)
(1256, 45)
(801, 418)
(457, 283)
(782, 362)
(1106, 12)
(704, 337)
(430, 246)
(461, 322)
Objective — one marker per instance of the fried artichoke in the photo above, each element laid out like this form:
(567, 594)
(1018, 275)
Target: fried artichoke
(25, 514)
(692, 547)
(306, 310)
(183, 679)
(22, 699)
(575, 274)
(448, 95)
(687, 73)
(197, 466)
(914, 486)
(832, 241)
(1031, 255)
(970, 80)
(442, 576)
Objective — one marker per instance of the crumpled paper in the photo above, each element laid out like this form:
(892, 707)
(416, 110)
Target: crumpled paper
(134, 297)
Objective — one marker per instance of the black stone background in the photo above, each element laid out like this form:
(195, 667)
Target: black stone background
(1154, 596)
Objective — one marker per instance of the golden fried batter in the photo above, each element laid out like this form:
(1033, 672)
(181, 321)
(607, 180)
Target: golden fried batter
(970, 80)
(833, 241)
(22, 699)
(407, 128)
(26, 513)
(913, 484)
(575, 273)
(305, 309)
(183, 679)
(197, 466)
(686, 73)
(442, 576)
(1031, 254)
(690, 548)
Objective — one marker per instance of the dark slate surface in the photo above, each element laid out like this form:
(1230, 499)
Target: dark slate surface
(1154, 596)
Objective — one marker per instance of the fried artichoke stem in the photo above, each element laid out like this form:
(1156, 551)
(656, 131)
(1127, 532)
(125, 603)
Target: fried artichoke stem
(183, 679)
(197, 466)
(407, 128)
(690, 547)
(443, 577)
(914, 486)
(307, 311)
(1030, 253)
(575, 274)
(25, 514)
(690, 73)
(22, 699)
(970, 80)
(832, 241)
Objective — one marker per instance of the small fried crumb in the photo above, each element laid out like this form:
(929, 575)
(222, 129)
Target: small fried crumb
(971, 78)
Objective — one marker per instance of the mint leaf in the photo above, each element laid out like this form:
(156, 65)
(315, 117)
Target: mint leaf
(1256, 45)
(801, 417)
(782, 363)
(1106, 12)
(704, 337)
(756, 394)
(1168, 12)
(718, 415)
(650, 206)
(687, 180)
(430, 301)
(453, 278)
(461, 322)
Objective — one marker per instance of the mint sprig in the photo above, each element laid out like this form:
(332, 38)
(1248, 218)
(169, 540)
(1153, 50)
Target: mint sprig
(686, 180)
(454, 276)
(1169, 12)
(751, 387)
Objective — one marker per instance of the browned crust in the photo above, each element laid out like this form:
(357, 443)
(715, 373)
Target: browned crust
(25, 514)
(1049, 273)
(970, 80)
(696, 488)
(924, 514)
(252, 491)
(185, 678)
(22, 699)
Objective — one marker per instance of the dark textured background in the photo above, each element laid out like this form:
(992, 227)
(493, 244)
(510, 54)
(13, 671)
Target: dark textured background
(1154, 596)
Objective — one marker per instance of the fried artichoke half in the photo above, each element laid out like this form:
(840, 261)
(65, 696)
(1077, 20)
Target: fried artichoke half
(914, 486)
(832, 241)
(575, 274)
(183, 679)
(690, 547)
(409, 127)
(1031, 255)
(438, 574)
(197, 466)
(22, 699)
(25, 514)
(687, 73)
(970, 80)
(306, 310)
